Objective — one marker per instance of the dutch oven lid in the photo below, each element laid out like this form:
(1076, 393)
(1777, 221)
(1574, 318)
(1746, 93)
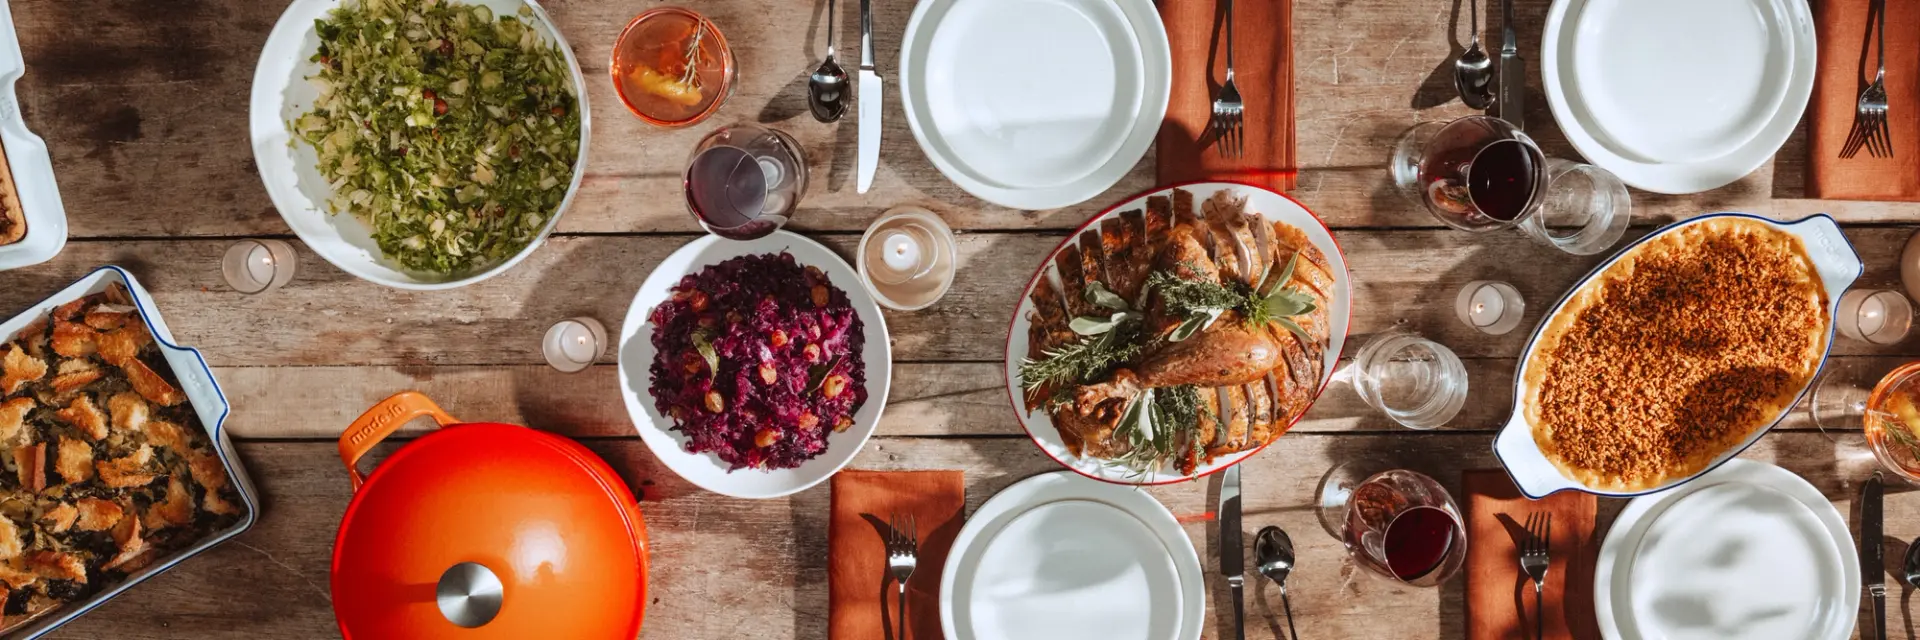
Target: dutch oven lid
(487, 531)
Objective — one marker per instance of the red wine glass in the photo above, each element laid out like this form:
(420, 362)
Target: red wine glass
(1400, 524)
(744, 181)
(1476, 173)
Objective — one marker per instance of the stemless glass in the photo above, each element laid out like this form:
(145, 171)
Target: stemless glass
(1417, 382)
(1480, 173)
(1891, 421)
(672, 67)
(1399, 524)
(744, 181)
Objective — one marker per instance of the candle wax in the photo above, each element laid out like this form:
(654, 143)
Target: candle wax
(260, 265)
(1873, 315)
(1488, 306)
(576, 342)
(900, 252)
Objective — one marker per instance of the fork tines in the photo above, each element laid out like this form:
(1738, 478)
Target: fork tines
(1870, 126)
(1227, 137)
(1535, 548)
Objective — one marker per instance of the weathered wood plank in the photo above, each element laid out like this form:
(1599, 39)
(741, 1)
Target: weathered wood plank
(145, 118)
(712, 554)
(325, 317)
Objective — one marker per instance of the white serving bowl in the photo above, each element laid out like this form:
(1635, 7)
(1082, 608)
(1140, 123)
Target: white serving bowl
(281, 94)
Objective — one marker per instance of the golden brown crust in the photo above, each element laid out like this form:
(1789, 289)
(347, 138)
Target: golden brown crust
(1676, 353)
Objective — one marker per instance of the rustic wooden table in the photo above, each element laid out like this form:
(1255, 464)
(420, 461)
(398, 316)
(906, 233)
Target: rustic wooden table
(143, 104)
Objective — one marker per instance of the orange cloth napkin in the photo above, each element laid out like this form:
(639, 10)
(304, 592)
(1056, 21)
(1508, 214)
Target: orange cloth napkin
(857, 557)
(1497, 589)
(1841, 27)
(1263, 72)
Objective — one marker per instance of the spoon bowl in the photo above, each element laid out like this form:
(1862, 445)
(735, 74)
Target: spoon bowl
(827, 91)
(1273, 553)
(1473, 70)
(1912, 570)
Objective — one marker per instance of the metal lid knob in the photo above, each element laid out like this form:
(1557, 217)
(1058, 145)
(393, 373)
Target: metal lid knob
(469, 594)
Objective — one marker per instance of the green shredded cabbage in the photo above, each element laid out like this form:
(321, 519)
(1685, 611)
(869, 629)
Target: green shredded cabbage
(451, 133)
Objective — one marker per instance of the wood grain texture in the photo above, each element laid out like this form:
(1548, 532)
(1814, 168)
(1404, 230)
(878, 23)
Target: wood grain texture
(713, 554)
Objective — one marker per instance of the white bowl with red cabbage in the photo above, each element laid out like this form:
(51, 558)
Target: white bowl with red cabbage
(754, 369)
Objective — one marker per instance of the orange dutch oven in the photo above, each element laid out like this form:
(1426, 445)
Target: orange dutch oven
(484, 531)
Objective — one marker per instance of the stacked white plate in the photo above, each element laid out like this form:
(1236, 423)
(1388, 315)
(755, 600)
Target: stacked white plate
(1035, 104)
(1678, 97)
(1747, 551)
(1061, 557)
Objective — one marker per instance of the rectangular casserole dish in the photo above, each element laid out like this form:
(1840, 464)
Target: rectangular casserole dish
(203, 394)
(31, 166)
(1834, 261)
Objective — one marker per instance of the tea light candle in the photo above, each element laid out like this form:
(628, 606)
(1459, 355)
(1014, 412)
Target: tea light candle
(908, 258)
(574, 344)
(1875, 316)
(1490, 306)
(900, 252)
(258, 266)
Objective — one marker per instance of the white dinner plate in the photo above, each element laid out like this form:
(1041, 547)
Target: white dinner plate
(1718, 75)
(1060, 557)
(1035, 104)
(1678, 97)
(1275, 207)
(1748, 551)
(706, 470)
(282, 94)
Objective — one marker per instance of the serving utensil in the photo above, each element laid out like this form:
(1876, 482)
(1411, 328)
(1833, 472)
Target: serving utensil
(1473, 70)
(869, 151)
(1512, 90)
(1273, 553)
(827, 87)
(1870, 113)
(1227, 106)
(1912, 568)
(1873, 574)
(1231, 564)
(902, 556)
(1534, 561)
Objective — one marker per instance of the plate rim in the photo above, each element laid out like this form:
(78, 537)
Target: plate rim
(1631, 524)
(1774, 89)
(1684, 178)
(1156, 56)
(265, 91)
(662, 444)
(1008, 364)
(1139, 504)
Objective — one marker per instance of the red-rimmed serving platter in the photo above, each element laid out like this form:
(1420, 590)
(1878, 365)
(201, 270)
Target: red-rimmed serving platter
(1272, 206)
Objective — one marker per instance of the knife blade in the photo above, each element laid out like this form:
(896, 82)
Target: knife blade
(1872, 555)
(1510, 94)
(869, 102)
(1232, 564)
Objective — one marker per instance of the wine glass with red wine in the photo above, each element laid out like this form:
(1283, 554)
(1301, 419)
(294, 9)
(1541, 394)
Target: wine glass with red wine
(744, 181)
(1400, 524)
(1480, 173)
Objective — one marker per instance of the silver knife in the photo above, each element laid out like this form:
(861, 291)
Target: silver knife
(869, 101)
(1232, 565)
(1872, 556)
(1511, 93)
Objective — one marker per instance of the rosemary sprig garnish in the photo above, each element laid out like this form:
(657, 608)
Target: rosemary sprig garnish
(1202, 302)
(1154, 424)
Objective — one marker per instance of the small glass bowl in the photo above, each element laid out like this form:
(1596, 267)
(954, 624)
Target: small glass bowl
(651, 50)
(1881, 415)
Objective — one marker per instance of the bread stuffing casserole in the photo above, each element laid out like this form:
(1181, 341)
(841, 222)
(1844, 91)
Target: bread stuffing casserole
(107, 466)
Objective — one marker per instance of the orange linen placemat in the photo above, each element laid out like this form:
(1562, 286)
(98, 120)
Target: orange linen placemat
(1496, 520)
(1263, 72)
(1841, 27)
(856, 550)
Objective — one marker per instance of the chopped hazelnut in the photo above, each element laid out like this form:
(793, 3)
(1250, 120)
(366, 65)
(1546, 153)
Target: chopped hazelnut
(834, 385)
(778, 339)
(812, 352)
(715, 403)
(842, 424)
(808, 420)
(766, 437)
(767, 374)
(698, 300)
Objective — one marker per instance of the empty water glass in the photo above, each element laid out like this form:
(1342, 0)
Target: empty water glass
(1417, 382)
(1585, 211)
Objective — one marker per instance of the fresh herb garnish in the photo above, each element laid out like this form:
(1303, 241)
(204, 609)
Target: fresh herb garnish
(703, 342)
(817, 374)
(1201, 302)
(1155, 423)
(1087, 358)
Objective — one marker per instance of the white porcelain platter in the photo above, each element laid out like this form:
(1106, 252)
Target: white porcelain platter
(1275, 207)
(282, 94)
(706, 470)
(1035, 104)
(1678, 97)
(1060, 557)
(1748, 551)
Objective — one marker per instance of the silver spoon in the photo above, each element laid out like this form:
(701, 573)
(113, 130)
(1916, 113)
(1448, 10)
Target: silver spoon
(827, 87)
(1913, 564)
(1473, 70)
(1273, 551)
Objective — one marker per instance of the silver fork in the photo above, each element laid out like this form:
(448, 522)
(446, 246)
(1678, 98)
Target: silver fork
(1870, 114)
(902, 555)
(1227, 107)
(1534, 561)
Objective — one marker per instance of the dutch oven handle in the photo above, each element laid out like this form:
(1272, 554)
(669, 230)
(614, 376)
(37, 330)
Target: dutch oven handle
(381, 421)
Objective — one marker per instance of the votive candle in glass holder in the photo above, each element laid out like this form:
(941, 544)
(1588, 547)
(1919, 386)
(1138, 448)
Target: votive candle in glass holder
(1876, 316)
(258, 266)
(573, 344)
(1490, 306)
